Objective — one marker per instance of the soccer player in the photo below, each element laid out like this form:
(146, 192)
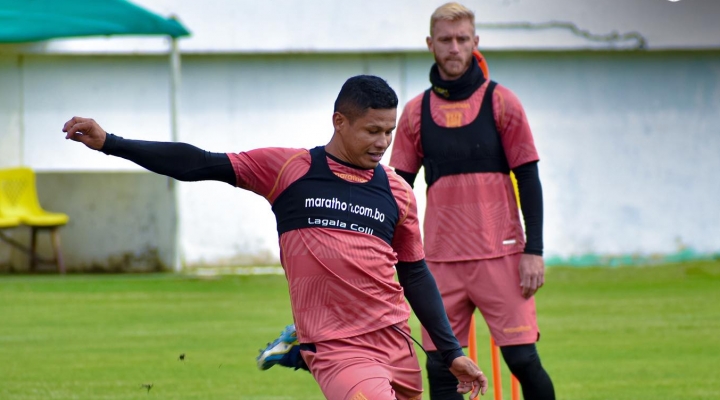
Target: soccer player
(343, 222)
(469, 133)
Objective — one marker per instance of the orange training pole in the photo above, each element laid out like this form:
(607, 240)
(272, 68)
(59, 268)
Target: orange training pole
(514, 388)
(497, 378)
(472, 341)
(472, 344)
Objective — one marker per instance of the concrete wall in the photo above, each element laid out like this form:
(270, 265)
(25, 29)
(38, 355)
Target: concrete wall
(282, 26)
(628, 141)
(118, 222)
(10, 110)
(10, 124)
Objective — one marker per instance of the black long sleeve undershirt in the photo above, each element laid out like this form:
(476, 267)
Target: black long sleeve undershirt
(531, 205)
(424, 297)
(180, 161)
(408, 176)
(530, 190)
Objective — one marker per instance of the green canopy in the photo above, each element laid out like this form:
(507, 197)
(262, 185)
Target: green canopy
(35, 20)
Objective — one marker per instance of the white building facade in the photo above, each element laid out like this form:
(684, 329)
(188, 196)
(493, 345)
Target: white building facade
(629, 138)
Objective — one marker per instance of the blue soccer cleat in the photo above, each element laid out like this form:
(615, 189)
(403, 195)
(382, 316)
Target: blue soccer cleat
(285, 350)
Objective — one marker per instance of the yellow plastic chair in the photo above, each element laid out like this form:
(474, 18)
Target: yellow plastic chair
(19, 201)
(8, 222)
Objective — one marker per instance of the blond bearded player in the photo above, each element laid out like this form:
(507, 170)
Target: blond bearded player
(468, 133)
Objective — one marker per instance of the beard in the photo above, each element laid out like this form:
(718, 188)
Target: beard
(449, 66)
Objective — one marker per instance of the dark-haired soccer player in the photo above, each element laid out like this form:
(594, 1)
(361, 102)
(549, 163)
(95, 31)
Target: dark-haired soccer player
(344, 221)
(468, 133)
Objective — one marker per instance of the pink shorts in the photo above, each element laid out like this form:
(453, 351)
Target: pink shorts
(492, 286)
(380, 365)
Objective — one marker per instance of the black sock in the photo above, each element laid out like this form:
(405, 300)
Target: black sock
(443, 384)
(524, 363)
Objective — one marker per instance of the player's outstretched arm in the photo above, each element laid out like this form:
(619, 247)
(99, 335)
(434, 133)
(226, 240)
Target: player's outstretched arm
(177, 160)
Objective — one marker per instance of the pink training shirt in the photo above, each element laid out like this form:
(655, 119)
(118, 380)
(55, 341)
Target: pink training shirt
(469, 216)
(342, 283)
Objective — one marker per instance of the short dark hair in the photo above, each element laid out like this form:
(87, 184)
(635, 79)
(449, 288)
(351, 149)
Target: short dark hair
(362, 92)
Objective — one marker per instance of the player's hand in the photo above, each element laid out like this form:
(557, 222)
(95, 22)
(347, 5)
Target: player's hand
(470, 376)
(85, 131)
(532, 274)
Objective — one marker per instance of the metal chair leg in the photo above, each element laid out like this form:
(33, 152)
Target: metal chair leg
(33, 249)
(55, 237)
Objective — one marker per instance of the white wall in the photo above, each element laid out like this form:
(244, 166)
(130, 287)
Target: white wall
(628, 140)
(10, 110)
(128, 94)
(629, 145)
(232, 26)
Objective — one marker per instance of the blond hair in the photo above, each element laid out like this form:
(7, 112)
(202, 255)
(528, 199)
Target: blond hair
(451, 12)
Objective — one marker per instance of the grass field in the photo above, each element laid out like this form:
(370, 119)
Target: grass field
(608, 333)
